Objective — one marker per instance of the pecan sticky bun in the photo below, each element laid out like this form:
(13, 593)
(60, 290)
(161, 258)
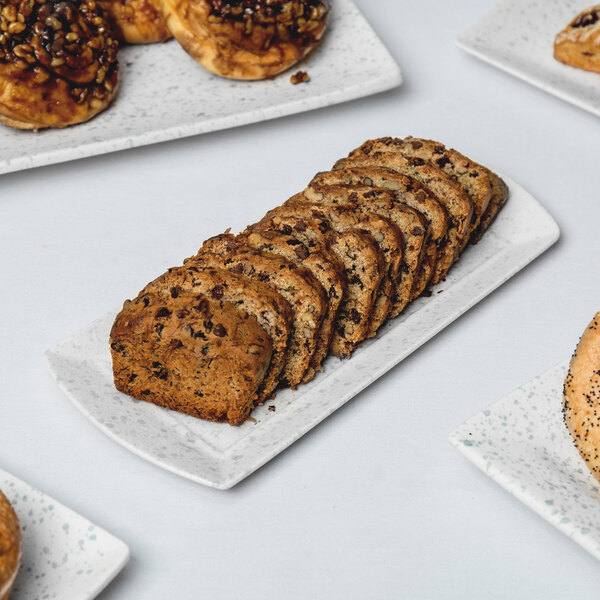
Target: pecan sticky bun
(58, 63)
(578, 44)
(246, 39)
(136, 21)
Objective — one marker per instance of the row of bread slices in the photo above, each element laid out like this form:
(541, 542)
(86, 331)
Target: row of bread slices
(318, 274)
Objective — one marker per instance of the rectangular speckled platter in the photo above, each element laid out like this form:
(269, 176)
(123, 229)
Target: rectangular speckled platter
(517, 36)
(220, 455)
(64, 556)
(521, 442)
(165, 95)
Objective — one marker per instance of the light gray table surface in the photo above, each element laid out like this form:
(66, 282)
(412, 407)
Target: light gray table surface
(373, 503)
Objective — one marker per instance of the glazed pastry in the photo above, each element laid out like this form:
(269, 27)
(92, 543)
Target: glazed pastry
(246, 39)
(58, 63)
(10, 547)
(581, 403)
(578, 44)
(136, 21)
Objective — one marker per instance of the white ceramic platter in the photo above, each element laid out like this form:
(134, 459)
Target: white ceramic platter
(518, 36)
(220, 455)
(165, 95)
(64, 556)
(522, 443)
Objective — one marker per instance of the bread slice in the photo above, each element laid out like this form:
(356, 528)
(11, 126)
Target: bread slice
(363, 267)
(581, 402)
(381, 230)
(498, 197)
(447, 192)
(408, 191)
(326, 268)
(296, 284)
(272, 312)
(471, 176)
(192, 354)
(410, 223)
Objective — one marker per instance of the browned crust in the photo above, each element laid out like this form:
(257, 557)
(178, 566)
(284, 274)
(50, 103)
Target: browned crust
(137, 21)
(581, 401)
(10, 546)
(191, 354)
(243, 49)
(578, 45)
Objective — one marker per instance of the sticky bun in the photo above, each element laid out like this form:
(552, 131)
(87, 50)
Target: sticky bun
(246, 39)
(58, 63)
(136, 21)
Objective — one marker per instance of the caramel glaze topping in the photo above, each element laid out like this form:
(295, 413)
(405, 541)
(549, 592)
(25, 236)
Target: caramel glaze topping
(64, 39)
(297, 21)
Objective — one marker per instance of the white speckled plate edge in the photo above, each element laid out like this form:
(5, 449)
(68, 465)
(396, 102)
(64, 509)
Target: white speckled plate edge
(509, 44)
(64, 556)
(521, 442)
(219, 455)
(182, 99)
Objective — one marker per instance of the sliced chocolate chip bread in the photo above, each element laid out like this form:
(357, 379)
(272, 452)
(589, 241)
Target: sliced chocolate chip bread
(272, 312)
(474, 178)
(410, 223)
(410, 192)
(326, 268)
(296, 284)
(446, 191)
(192, 354)
(363, 267)
(384, 233)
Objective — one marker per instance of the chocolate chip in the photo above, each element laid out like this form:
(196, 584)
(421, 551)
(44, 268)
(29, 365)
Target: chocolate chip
(208, 325)
(163, 312)
(217, 292)
(146, 301)
(302, 252)
(416, 145)
(301, 226)
(442, 162)
(219, 330)
(355, 316)
(287, 229)
(239, 268)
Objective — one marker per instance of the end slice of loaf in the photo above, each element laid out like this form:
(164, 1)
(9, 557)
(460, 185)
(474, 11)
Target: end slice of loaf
(272, 312)
(191, 354)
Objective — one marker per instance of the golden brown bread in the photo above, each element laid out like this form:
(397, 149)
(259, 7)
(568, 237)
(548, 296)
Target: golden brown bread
(578, 45)
(136, 21)
(246, 40)
(581, 402)
(10, 547)
(191, 354)
(58, 63)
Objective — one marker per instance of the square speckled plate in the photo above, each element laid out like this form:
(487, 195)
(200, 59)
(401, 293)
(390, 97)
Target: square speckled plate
(165, 95)
(521, 442)
(518, 37)
(64, 556)
(219, 455)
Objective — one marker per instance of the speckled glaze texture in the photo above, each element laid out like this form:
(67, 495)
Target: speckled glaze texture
(164, 94)
(522, 443)
(64, 556)
(518, 36)
(220, 455)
